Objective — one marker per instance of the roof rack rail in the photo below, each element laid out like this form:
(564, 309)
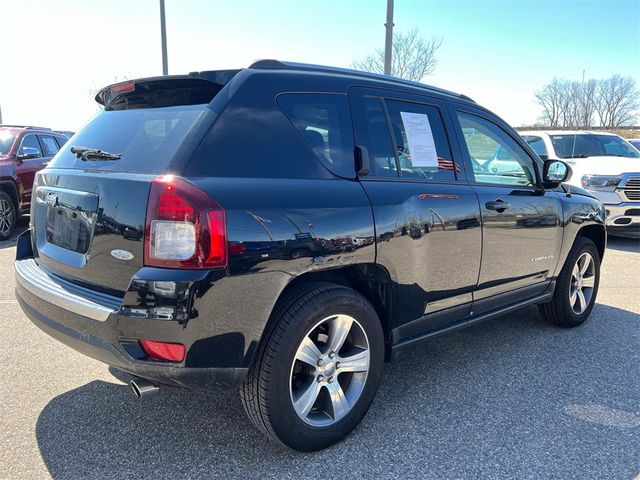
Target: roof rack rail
(280, 65)
(26, 127)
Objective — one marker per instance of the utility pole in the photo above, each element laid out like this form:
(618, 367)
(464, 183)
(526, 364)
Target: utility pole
(389, 38)
(0, 114)
(163, 35)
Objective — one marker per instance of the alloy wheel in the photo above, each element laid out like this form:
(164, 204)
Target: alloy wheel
(6, 216)
(329, 370)
(583, 280)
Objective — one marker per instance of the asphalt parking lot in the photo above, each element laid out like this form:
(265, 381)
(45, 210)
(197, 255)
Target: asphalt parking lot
(511, 398)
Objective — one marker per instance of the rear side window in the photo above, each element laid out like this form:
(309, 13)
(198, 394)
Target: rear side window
(147, 139)
(421, 142)
(324, 122)
(49, 145)
(61, 140)
(381, 155)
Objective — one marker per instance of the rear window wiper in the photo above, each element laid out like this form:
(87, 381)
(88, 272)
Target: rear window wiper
(84, 153)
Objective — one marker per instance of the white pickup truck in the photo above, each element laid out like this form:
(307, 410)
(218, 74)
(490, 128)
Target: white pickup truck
(603, 163)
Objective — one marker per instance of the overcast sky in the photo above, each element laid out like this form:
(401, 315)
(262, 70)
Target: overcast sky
(497, 52)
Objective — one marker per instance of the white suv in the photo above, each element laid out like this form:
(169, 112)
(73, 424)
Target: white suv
(603, 163)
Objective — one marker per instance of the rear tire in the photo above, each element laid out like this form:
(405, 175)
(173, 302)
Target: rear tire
(309, 403)
(576, 286)
(8, 216)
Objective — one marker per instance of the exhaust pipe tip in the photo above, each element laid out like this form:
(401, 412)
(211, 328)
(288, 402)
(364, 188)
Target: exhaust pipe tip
(143, 387)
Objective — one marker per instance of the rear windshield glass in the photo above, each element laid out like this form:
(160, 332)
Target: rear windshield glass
(6, 140)
(146, 139)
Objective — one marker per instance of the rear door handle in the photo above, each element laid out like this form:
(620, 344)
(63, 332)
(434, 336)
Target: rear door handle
(499, 206)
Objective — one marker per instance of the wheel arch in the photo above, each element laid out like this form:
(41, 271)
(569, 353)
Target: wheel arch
(597, 234)
(371, 280)
(9, 187)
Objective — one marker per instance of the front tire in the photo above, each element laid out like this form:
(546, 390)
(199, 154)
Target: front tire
(317, 369)
(576, 286)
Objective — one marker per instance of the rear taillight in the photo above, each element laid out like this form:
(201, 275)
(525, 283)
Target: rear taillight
(185, 228)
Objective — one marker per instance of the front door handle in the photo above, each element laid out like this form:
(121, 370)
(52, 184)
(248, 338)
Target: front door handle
(499, 206)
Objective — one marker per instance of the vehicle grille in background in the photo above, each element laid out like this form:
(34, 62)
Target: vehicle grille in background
(631, 189)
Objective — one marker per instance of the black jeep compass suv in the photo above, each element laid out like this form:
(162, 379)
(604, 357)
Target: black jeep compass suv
(288, 228)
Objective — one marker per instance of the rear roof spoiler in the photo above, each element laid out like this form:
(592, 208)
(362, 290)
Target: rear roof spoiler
(196, 87)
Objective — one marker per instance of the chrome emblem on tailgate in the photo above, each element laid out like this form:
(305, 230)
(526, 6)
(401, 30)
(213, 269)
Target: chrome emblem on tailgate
(121, 254)
(51, 200)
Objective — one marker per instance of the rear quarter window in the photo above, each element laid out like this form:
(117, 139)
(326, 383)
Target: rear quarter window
(252, 138)
(324, 123)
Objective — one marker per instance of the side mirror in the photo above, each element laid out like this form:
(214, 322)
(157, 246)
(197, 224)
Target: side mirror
(554, 172)
(26, 153)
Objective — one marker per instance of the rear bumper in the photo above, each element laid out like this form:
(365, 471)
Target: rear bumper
(108, 328)
(623, 219)
(98, 348)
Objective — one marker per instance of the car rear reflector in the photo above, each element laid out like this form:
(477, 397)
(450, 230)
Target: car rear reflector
(168, 352)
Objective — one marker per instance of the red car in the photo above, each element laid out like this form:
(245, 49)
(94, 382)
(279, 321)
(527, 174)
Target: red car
(23, 151)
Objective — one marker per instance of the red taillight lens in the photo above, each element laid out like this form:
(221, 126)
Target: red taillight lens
(217, 238)
(184, 228)
(172, 206)
(169, 352)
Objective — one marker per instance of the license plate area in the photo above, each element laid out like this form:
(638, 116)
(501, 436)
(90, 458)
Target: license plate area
(64, 224)
(69, 229)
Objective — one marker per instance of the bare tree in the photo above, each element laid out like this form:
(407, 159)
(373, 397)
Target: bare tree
(588, 102)
(572, 104)
(413, 57)
(550, 98)
(618, 101)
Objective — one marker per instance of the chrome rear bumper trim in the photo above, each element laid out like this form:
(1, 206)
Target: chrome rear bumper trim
(64, 294)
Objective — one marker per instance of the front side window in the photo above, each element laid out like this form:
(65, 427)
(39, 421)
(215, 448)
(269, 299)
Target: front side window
(496, 158)
(30, 146)
(49, 144)
(421, 142)
(324, 122)
(536, 144)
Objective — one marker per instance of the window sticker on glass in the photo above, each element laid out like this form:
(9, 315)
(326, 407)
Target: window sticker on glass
(420, 139)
